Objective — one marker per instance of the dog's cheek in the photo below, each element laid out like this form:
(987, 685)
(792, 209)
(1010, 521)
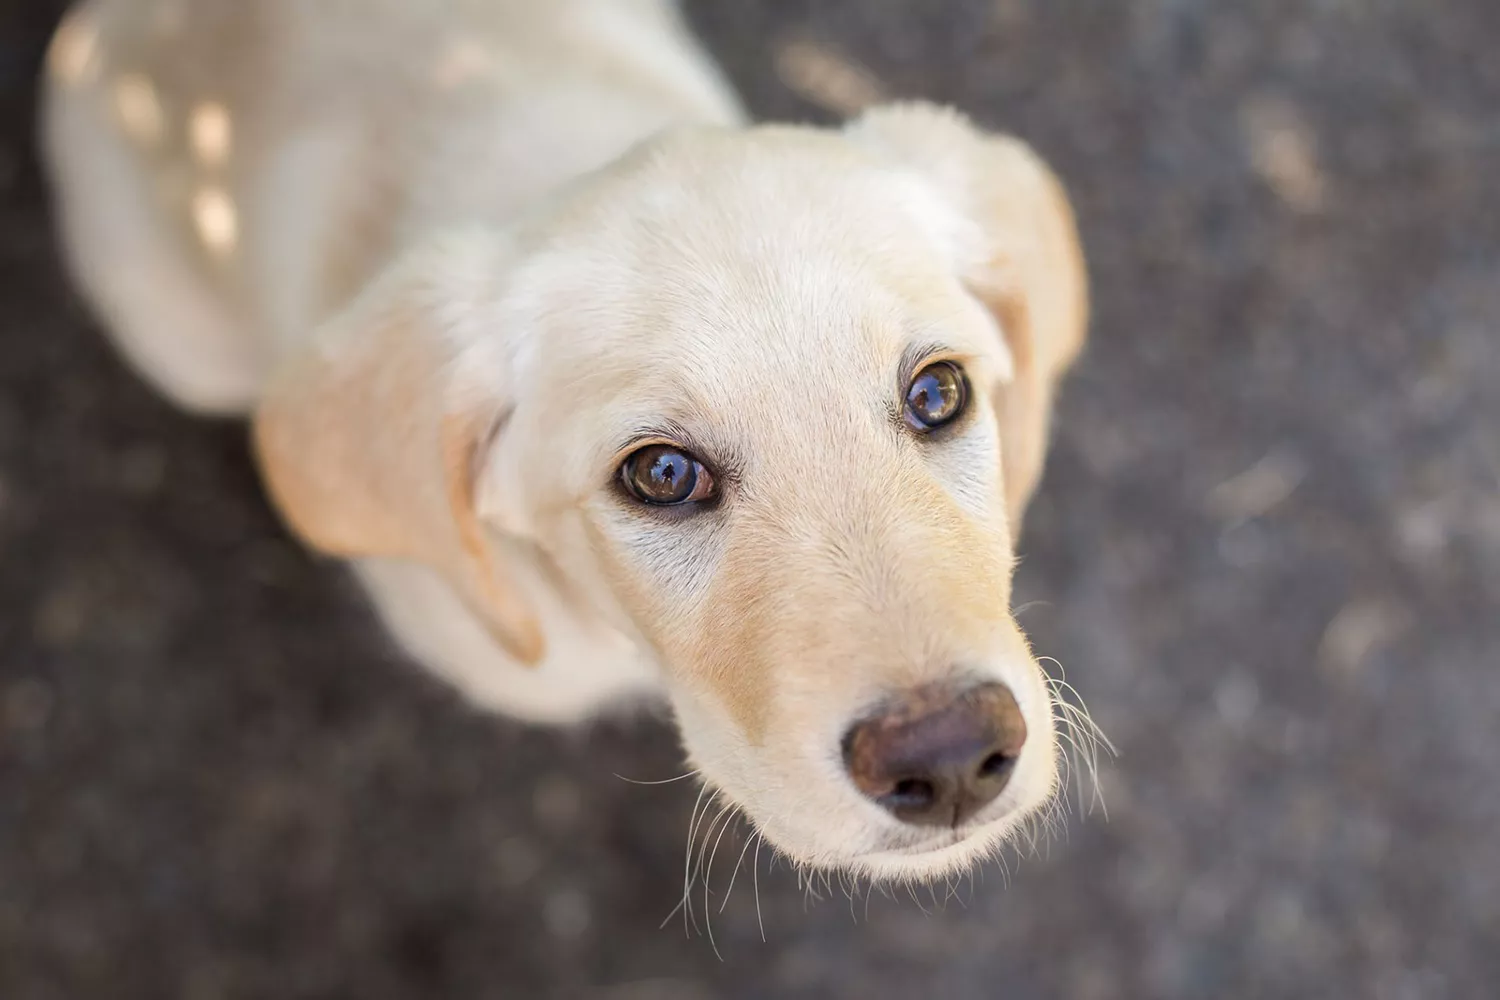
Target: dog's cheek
(968, 467)
(722, 653)
(666, 574)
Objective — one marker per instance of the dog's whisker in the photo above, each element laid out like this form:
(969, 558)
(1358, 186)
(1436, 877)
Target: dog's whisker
(953, 885)
(1022, 609)
(736, 873)
(668, 918)
(699, 836)
(698, 867)
(1085, 744)
(1064, 772)
(1067, 761)
(708, 875)
(755, 873)
(1081, 719)
(682, 899)
(1066, 735)
(1042, 829)
(707, 839)
(812, 894)
(663, 781)
(686, 904)
(1078, 709)
(1062, 672)
(1078, 733)
(1082, 767)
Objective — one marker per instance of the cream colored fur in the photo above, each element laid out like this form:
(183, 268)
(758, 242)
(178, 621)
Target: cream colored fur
(452, 257)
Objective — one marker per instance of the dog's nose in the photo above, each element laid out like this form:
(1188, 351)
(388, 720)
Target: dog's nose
(935, 758)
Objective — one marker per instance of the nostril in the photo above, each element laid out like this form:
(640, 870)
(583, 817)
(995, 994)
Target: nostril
(995, 765)
(910, 793)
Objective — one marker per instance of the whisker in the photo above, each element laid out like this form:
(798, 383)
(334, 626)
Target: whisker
(1085, 746)
(736, 873)
(667, 919)
(1079, 733)
(708, 917)
(1023, 608)
(755, 871)
(687, 862)
(707, 838)
(663, 781)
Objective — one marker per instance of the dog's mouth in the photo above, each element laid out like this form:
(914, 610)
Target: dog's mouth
(931, 845)
(933, 849)
(944, 840)
(936, 855)
(912, 856)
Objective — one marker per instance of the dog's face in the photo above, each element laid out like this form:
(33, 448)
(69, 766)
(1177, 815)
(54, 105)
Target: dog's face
(763, 410)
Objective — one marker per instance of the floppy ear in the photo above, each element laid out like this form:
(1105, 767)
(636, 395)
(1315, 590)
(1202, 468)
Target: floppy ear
(1019, 256)
(369, 434)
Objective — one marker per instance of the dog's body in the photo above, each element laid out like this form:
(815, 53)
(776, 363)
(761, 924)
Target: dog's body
(453, 256)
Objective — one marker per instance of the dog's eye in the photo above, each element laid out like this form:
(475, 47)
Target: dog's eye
(664, 475)
(936, 396)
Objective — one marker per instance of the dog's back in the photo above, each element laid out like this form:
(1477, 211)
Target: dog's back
(229, 172)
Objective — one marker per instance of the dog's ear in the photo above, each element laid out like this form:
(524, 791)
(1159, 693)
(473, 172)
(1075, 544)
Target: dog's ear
(1015, 248)
(370, 435)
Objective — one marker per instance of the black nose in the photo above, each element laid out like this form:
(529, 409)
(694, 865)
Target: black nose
(935, 758)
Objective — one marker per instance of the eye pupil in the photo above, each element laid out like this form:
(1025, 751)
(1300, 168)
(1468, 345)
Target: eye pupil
(936, 396)
(664, 475)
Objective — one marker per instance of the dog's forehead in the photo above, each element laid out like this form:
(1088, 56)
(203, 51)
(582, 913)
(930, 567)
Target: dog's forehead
(732, 264)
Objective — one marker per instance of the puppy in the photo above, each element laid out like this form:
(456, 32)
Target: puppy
(602, 391)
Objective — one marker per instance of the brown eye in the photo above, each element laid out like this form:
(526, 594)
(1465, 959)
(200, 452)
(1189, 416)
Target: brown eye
(936, 396)
(665, 475)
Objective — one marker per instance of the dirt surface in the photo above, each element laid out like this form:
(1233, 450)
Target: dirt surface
(1267, 551)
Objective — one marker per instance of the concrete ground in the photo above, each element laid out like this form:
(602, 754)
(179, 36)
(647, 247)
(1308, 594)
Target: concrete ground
(1267, 551)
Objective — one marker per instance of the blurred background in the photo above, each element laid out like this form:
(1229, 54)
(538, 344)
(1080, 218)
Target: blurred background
(1267, 552)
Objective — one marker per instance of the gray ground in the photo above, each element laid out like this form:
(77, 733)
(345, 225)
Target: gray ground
(1267, 549)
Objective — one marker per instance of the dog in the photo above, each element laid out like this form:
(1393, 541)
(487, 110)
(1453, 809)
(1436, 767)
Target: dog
(603, 392)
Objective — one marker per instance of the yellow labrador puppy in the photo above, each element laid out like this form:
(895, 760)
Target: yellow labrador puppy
(601, 390)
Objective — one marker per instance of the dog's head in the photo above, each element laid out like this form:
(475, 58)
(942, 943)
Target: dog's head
(770, 402)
